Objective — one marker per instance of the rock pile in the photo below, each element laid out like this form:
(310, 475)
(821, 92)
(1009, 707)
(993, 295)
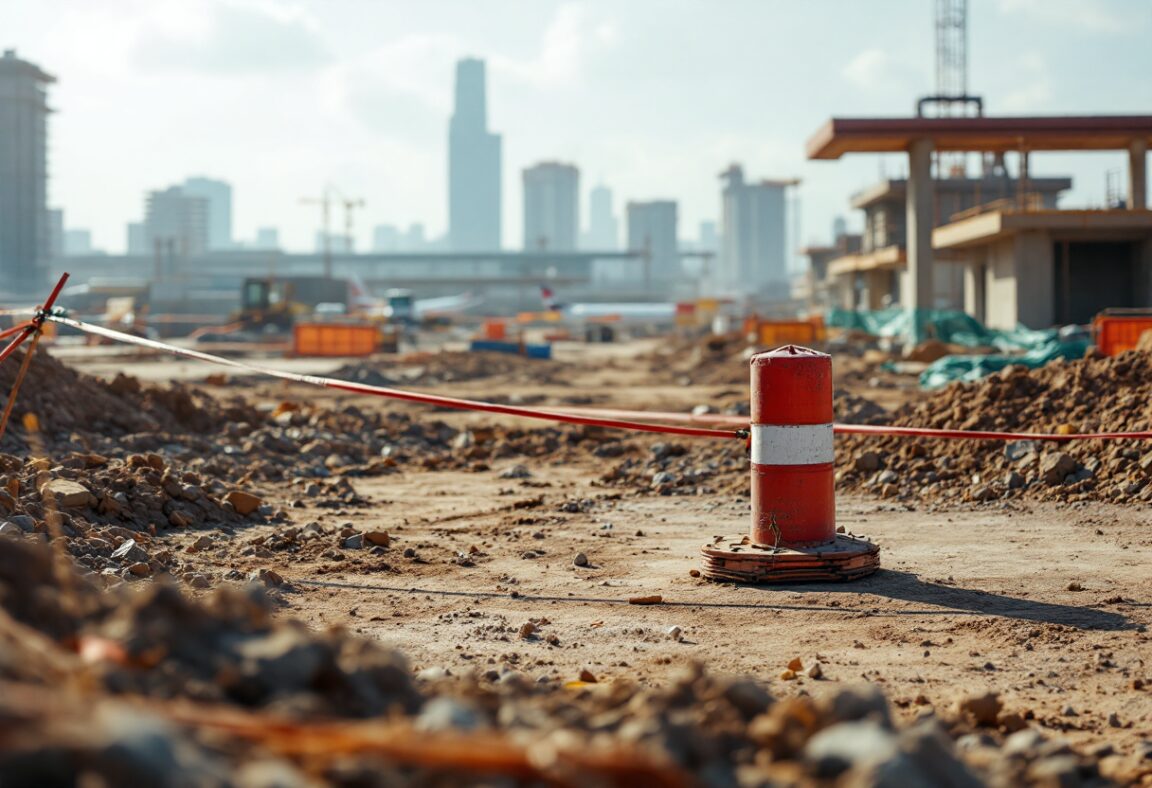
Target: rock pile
(106, 512)
(1095, 394)
(90, 680)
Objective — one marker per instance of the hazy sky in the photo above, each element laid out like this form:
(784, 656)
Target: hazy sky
(652, 97)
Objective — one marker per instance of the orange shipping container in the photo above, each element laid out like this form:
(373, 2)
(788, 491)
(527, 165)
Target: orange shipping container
(334, 339)
(1115, 333)
(774, 333)
(495, 330)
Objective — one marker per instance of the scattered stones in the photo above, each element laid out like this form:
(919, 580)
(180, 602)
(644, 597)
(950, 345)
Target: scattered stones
(67, 494)
(378, 538)
(244, 503)
(129, 552)
(516, 472)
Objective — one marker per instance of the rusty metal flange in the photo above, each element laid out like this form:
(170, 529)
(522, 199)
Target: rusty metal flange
(737, 559)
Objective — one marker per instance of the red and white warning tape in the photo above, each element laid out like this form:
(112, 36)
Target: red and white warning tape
(399, 394)
(599, 417)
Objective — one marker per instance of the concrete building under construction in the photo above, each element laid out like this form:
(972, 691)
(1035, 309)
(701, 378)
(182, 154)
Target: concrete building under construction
(24, 220)
(1023, 260)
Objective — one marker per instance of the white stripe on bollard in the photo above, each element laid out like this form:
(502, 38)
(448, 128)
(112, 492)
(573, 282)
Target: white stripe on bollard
(804, 444)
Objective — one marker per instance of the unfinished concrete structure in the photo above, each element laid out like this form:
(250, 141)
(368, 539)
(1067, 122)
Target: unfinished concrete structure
(876, 274)
(24, 221)
(1024, 261)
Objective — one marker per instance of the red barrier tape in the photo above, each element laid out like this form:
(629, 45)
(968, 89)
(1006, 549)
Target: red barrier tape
(600, 417)
(408, 396)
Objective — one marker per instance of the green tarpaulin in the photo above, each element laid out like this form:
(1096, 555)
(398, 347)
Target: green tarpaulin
(1030, 348)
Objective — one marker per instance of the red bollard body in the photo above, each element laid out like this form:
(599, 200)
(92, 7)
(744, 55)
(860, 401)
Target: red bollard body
(793, 497)
(793, 536)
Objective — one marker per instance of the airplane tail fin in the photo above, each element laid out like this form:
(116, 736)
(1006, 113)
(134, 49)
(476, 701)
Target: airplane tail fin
(549, 298)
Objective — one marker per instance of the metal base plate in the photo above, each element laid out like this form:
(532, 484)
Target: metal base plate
(737, 559)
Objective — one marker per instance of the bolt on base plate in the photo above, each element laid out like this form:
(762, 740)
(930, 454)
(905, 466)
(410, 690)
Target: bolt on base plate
(737, 559)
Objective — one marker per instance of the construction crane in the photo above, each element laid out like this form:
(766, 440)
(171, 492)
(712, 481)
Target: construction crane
(350, 204)
(952, 98)
(325, 203)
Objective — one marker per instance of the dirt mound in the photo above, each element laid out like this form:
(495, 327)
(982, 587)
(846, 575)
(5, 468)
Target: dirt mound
(1091, 395)
(76, 411)
(265, 700)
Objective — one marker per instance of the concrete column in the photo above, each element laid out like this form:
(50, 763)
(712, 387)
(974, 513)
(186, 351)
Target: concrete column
(919, 225)
(1138, 175)
(974, 283)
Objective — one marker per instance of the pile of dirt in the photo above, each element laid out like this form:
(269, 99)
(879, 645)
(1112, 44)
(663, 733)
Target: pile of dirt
(1096, 394)
(91, 678)
(79, 412)
(718, 359)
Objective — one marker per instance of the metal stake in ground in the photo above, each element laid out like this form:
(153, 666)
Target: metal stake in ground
(793, 536)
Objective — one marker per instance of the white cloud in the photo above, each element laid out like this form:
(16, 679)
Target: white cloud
(1032, 83)
(1096, 16)
(228, 37)
(569, 39)
(870, 69)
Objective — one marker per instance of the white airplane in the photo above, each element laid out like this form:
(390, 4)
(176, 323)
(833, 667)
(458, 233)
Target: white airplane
(398, 304)
(638, 312)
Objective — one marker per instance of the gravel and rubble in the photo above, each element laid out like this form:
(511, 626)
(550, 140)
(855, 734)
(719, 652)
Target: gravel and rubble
(148, 684)
(1097, 394)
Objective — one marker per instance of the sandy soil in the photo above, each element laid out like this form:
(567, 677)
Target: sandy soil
(968, 599)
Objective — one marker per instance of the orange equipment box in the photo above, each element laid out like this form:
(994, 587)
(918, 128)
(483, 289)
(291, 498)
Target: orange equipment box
(335, 339)
(1117, 333)
(774, 333)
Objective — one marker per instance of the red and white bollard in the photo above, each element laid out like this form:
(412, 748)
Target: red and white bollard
(793, 536)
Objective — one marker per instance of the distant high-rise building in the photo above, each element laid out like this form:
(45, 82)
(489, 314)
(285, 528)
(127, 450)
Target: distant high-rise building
(77, 242)
(839, 227)
(267, 238)
(338, 243)
(175, 223)
(136, 239)
(219, 197)
(55, 233)
(652, 229)
(753, 237)
(385, 238)
(24, 221)
(474, 190)
(709, 238)
(551, 207)
(603, 227)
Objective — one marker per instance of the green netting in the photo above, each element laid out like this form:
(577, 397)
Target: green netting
(947, 325)
(1029, 348)
(969, 368)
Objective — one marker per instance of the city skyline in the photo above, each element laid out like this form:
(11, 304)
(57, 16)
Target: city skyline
(310, 96)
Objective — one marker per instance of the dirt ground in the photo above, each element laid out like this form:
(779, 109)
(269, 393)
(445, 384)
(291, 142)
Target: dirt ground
(1047, 604)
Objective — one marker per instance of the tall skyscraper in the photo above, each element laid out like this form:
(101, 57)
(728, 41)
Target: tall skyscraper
(55, 233)
(652, 228)
(175, 223)
(24, 222)
(77, 242)
(551, 207)
(603, 227)
(474, 190)
(709, 238)
(136, 239)
(752, 241)
(219, 197)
